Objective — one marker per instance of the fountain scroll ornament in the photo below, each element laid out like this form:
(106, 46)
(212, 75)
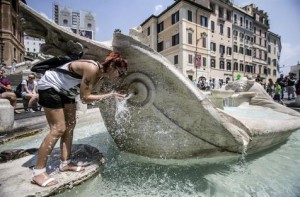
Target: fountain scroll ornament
(169, 117)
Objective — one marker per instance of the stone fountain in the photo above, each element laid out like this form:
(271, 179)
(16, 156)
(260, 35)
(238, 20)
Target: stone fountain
(169, 117)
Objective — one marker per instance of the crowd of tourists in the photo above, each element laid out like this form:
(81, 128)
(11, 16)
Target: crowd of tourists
(284, 85)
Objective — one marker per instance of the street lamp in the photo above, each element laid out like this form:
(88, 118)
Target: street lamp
(197, 60)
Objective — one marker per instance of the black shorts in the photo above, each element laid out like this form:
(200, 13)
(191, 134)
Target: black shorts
(50, 98)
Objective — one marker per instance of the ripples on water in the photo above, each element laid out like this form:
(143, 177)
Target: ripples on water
(274, 172)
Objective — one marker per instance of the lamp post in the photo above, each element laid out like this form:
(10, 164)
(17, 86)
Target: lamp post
(197, 61)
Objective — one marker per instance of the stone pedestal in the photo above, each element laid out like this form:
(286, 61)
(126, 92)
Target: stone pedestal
(6, 116)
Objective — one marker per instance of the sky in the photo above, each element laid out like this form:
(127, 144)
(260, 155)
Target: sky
(284, 16)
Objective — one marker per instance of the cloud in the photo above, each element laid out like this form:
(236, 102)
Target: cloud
(45, 15)
(158, 9)
(290, 54)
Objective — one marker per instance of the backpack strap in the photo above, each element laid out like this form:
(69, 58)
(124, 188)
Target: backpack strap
(72, 74)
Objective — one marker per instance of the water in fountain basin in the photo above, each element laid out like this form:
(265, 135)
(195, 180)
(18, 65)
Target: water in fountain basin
(274, 172)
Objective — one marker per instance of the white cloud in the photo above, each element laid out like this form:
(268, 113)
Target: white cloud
(158, 9)
(290, 54)
(45, 15)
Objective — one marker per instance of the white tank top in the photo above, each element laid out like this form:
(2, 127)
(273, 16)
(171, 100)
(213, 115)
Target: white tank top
(61, 82)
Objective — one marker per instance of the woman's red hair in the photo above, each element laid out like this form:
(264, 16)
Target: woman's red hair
(116, 60)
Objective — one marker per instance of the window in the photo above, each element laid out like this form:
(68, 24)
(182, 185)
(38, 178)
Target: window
(248, 52)
(241, 21)
(204, 61)
(190, 38)
(203, 21)
(212, 7)
(235, 66)
(241, 51)
(212, 63)
(65, 22)
(242, 67)
(222, 50)
(228, 66)
(221, 12)
(235, 19)
(235, 48)
(246, 24)
(176, 59)
(228, 15)
(89, 26)
(260, 54)
(148, 31)
(160, 27)
(235, 33)
(212, 26)
(222, 64)
(175, 17)
(204, 42)
(228, 51)
(190, 15)
(274, 62)
(160, 46)
(260, 41)
(249, 69)
(175, 39)
(190, 59)
(15, 53)
(254, 30)
(241, 35)
(221, 29)
(213, 46)
(228, 32)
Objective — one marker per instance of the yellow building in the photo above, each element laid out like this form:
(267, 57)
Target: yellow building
(214, 39)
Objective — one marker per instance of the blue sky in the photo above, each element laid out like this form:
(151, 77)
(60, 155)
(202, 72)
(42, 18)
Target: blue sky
(284, 16)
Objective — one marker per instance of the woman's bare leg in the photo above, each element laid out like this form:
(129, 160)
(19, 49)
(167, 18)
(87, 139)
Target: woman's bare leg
(67, 138)
(32, 99)
(11, 97)
(57, 124)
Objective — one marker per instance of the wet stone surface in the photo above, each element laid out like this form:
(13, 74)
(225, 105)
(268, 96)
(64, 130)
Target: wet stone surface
(16, 174)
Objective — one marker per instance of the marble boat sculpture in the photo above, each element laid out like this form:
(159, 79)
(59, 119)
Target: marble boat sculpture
(168, 116)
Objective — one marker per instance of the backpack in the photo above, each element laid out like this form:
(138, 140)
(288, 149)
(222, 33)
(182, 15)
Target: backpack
(18, 90)
(53, 63)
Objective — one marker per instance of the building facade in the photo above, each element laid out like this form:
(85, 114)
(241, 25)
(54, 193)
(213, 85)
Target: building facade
(80, 22)
(274, 52)
(260, 31)
(214, 39)
(11, 37)
(32, 46)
